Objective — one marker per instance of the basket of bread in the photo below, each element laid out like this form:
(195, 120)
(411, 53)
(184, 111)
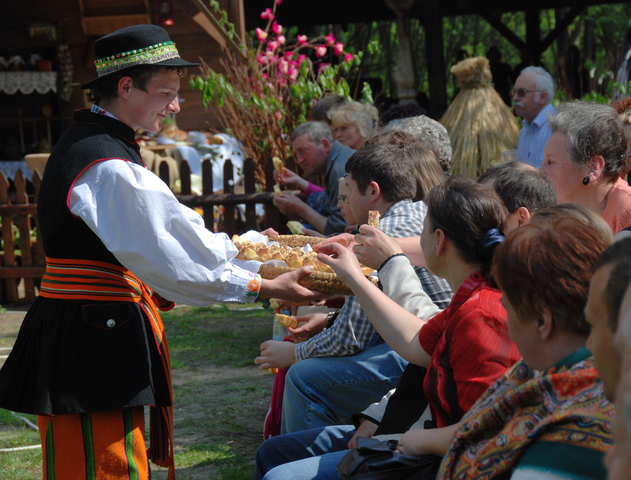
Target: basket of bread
(278, 258)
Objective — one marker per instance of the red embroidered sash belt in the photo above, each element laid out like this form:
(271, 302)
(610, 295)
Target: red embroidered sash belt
(69, 279)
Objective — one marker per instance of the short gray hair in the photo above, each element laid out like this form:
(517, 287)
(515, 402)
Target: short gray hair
(543, 82)
(593, 129)
(426, 132)
(316, 130)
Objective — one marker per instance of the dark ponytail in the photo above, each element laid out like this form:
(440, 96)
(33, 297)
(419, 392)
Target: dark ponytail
(471, 216)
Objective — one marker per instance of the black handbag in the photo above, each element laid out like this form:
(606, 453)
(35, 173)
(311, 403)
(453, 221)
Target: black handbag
(377, 460)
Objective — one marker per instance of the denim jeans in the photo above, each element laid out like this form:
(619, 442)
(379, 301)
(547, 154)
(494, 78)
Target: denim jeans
(320, 392)
(306, 455)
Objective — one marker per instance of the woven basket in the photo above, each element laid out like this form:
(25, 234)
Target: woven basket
(324, 282)
(295, 240)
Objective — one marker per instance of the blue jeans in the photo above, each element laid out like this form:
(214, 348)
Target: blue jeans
(320, 392)
(305, 455)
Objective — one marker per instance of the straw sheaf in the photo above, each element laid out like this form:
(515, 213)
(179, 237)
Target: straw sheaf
(472, 73)
(324, 282)
(480, 125)
(295, 240)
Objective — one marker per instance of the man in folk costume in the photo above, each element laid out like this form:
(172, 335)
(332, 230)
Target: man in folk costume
(91, 351)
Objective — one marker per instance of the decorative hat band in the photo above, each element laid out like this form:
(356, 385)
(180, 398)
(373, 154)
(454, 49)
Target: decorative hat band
(149, 55)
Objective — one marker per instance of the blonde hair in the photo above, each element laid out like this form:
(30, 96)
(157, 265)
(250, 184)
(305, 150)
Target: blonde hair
(361, 115)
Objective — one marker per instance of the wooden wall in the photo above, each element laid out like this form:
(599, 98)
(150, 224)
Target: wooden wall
(192, 42)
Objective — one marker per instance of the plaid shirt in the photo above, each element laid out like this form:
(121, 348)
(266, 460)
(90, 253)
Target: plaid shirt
(352, 331)
(533, 137)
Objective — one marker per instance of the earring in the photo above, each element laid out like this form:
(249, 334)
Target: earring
(586, 180)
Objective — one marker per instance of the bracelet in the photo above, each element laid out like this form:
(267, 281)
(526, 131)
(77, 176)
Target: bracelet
(330, 318)
(388, 259)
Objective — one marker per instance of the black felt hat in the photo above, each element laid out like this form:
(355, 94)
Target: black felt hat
(133, 46)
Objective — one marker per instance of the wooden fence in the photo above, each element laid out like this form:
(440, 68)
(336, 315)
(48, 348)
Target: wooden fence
(22, 253)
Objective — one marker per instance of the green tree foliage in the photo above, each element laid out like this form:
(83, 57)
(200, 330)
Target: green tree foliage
(598, 33)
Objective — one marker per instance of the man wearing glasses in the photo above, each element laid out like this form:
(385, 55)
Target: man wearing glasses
(534, 90)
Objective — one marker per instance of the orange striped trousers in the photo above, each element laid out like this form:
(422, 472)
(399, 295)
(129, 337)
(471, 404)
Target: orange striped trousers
(93, 446)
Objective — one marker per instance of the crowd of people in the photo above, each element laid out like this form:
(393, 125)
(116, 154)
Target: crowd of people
(517, 377)
(496, 345)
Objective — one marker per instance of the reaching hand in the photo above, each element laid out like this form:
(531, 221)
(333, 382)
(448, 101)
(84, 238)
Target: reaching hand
(275, 354)
(289, 205)
(313, 325)
(345, 239)
(291, 179)
(373, 246)
(270, 232)
(343, 261)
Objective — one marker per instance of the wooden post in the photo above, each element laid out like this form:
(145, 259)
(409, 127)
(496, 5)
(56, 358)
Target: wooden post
(532, 53)
(250, 187)
(9, 245)
(228, 187)
(207, 189)
(433, 23)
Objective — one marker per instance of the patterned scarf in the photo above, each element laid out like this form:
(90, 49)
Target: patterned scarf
(565, 405)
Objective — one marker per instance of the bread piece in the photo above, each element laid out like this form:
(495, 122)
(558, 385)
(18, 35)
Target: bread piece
(273, 303)
(246, 253)
(296, 227)
(279, 165)
(286, 320)
(373, 218)
(265, 254)
(293, 260)
(277, 190)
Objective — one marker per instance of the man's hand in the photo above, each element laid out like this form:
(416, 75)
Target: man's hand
(374, 247)
(286, 287)
(313, 325)
(270, 232)
(345, 239)
(343, 261)
(290, 205)
(291, 180)
(366, 429)
(276, 354)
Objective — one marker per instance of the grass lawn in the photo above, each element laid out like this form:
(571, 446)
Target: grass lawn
(221, 397)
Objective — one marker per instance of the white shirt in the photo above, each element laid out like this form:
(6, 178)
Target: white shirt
(164, 243)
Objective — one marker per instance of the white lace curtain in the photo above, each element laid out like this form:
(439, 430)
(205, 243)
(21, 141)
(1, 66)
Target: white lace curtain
(28, 82)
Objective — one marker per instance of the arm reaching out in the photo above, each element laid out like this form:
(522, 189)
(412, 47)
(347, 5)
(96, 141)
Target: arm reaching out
(397, 326)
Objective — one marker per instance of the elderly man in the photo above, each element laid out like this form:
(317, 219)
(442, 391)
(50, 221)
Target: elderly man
(318, 154)
(534, 90)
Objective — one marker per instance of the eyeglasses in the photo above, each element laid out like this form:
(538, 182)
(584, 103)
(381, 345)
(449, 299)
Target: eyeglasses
(521, 92)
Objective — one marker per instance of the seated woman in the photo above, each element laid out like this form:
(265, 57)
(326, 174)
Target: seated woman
(547, 417)
(465, 347)
(353, 123)
(585, 158)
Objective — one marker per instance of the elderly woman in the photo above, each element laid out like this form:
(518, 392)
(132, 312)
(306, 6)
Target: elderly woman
(585, 158)
(353, 123)
(547, 417)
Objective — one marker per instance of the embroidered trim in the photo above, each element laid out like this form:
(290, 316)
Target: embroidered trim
(254, 286)
(151, 54)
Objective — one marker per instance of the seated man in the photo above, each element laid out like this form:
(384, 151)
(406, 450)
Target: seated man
(317, 389)
(317, 154)
(611, 278)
